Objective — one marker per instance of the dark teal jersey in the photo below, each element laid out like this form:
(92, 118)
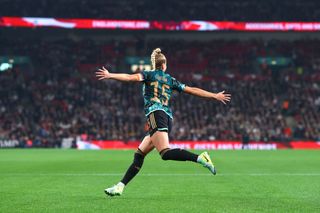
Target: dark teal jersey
(157, 91)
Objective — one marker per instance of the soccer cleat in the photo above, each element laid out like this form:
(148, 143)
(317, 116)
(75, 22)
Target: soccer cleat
(115, 190)
(204, 160)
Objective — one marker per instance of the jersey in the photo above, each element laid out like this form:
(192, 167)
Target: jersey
(157, 90)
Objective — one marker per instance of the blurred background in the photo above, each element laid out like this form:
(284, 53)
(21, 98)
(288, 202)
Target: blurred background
(265, 53)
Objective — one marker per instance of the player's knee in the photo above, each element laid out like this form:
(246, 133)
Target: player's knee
(165, 154)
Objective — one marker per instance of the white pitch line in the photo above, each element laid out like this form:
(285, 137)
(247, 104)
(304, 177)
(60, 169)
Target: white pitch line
(160, 174)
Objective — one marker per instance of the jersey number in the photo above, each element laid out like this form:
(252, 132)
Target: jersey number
(155, 85)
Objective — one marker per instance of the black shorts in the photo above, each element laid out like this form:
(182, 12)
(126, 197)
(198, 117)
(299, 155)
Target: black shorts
(159, 121)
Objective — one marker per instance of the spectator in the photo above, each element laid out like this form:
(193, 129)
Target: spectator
(61, 98)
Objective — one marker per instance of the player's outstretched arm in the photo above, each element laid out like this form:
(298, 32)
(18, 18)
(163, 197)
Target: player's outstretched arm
(103, 73)
(221, 96)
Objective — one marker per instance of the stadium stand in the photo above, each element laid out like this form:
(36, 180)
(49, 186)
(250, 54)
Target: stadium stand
(59, 96)
(246, 10)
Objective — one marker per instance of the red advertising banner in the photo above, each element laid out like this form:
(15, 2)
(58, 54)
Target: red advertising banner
(203, 145)
(188, 25)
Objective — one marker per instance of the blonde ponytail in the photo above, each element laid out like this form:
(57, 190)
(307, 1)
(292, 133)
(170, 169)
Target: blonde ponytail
(155, 56)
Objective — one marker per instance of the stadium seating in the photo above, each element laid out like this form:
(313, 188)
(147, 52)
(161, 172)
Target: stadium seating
(246, 10)
(60, 97)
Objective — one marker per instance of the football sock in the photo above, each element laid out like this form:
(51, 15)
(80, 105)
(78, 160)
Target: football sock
(178, 155)
(121, 184)
(134, 168)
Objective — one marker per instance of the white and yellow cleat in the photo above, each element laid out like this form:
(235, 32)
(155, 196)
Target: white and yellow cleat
(115, 190)
(204, 160)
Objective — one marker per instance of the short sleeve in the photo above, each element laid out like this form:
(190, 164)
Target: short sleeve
(177, 85)
(146, 76)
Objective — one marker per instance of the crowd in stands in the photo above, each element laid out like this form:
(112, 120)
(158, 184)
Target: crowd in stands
(231, 10)
(60, 97)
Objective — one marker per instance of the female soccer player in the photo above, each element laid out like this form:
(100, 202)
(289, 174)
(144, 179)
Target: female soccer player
(157, 89)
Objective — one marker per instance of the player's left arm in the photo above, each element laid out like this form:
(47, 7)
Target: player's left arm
(103, 73)
(221, 96)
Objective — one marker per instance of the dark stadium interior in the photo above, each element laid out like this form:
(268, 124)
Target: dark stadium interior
(245, 10)
(85, 107)
(58, 96)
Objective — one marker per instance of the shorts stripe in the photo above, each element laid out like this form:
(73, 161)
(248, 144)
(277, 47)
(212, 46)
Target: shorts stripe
(155, 123)
(151, 124)
(153, 120)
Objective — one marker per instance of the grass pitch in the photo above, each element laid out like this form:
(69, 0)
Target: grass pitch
(73, 181)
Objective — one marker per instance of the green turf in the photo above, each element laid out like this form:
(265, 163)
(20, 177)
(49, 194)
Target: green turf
(73, 181)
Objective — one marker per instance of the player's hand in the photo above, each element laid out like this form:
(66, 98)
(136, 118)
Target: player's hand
(103, 73)
(221, 96)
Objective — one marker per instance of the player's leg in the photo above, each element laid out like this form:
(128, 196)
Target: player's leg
(145, 147)
(160, 125)
(161, 141)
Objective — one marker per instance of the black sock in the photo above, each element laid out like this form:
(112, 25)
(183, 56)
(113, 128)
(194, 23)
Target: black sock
(178, 155)
(134, 168)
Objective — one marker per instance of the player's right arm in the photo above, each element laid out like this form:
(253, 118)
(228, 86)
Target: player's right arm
(221, 96)
(103, 73)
